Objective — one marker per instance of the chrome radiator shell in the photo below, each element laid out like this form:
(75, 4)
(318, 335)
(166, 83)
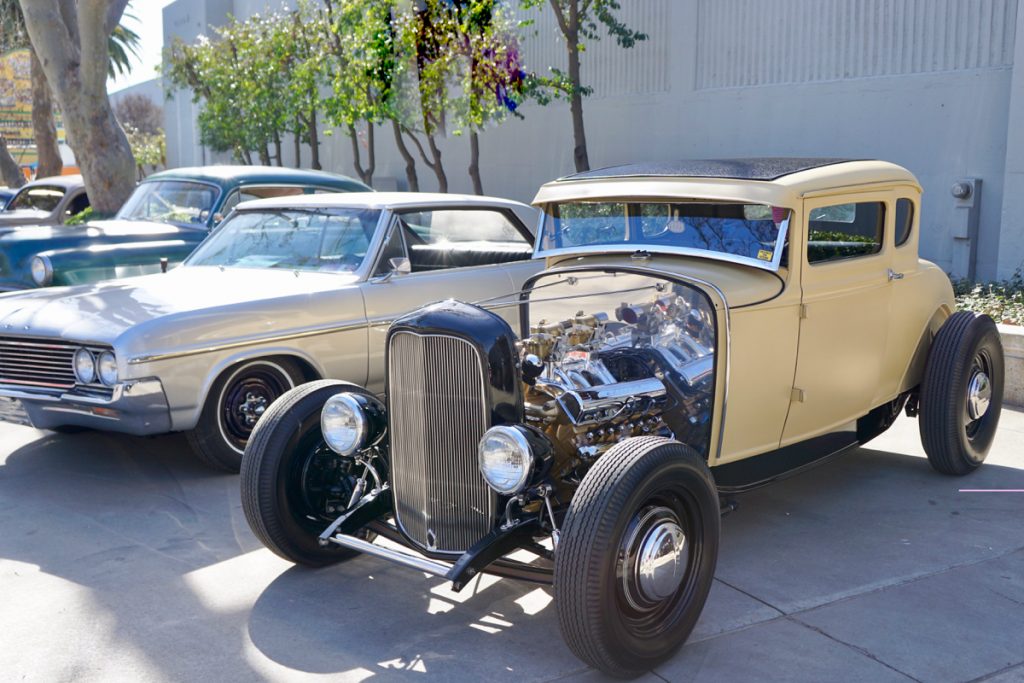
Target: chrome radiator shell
(438, 411)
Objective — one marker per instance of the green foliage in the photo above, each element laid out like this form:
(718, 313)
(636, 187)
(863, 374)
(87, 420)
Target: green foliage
(1002, 301)
(81, 217)
(149, 149)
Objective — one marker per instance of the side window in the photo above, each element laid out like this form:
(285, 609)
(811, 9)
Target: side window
(845, 231)
(393, 248)
(230, 203)
(77, 205)
(904, 220)
(460, 238)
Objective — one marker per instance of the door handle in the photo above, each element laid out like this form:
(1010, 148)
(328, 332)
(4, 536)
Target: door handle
(893, 275)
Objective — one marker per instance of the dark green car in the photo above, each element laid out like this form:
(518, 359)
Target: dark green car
(166, 217)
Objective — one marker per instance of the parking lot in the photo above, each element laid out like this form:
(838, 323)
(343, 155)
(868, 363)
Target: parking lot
(124, 559)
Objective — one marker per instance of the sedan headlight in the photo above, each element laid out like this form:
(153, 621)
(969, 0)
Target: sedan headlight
(41, 270)
(352, 422)
(85, 366)
(506, 461)
(108, 368)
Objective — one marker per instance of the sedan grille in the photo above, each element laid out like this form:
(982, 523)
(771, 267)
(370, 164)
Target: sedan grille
(438, 413)
(40, 363)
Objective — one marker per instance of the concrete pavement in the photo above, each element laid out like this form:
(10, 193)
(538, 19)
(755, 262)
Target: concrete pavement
(124, 559)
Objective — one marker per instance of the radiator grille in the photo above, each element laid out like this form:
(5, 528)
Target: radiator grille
(438, 412)
(40, 363)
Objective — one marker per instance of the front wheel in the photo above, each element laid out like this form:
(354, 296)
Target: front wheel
(236, 402)
(293, 485)
(636, 556)
(962, 393)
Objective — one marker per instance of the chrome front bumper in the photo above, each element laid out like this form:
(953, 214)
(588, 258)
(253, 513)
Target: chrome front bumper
(136, 407)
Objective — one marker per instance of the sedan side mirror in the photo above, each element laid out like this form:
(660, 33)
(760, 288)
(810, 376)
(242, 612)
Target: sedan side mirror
(400, 265)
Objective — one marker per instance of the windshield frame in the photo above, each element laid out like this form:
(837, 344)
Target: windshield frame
(635, 247)
(197, 181)
(362, 272)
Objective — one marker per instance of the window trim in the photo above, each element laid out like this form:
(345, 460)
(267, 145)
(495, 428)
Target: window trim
(884, 204)
(910, 228)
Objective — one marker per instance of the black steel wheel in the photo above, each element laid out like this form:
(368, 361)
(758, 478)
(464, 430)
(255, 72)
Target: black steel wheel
(236, 402)
(962, 393)
(293, 485)
(636, 556)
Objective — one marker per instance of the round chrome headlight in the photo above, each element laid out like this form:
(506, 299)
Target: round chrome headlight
(108, 368)
(344, 424)
(41, 270)
(85, 366)
(506, 461)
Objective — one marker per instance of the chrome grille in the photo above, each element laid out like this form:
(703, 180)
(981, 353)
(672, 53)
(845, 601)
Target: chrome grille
(438, 412)
(41, 363)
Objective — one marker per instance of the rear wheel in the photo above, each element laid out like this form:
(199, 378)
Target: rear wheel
(962, 393)
(293, 485)
(636, 556)
(236, 402)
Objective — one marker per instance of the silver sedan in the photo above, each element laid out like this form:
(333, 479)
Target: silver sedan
(283, 292)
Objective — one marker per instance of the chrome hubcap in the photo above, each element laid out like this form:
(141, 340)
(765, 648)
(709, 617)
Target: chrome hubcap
(979, 395)
(656, 554)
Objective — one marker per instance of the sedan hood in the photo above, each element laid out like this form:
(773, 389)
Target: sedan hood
(185, 306)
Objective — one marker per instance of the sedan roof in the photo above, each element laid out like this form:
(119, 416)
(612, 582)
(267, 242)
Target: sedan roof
(68, 182)
(379, 200)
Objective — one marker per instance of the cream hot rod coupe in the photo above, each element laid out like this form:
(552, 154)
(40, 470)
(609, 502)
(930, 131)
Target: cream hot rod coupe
(700, 328)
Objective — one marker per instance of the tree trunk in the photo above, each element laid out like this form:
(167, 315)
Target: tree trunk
(314, 142)
(264, 154)
(277, 148)
(371, 153)
(579, 135)
(70, 40)
(43, 126)
(298, 150)
(10, 172)
(474, 162)
(410, 160)
(365, 174)
(438, 166)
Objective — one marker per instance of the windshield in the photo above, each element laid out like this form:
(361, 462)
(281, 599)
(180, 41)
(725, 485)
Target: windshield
(746, 232)
(170, 201)
(37, 198)
(292, 240)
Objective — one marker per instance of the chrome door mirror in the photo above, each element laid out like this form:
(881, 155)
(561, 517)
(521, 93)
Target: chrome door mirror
(400, 265)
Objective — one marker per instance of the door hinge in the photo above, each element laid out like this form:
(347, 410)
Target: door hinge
(797, 396)
(803, 311)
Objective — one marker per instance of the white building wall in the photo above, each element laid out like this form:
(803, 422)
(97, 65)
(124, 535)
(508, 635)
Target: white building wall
(923, 83)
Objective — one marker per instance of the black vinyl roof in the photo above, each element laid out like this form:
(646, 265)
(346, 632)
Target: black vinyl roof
(755, 168)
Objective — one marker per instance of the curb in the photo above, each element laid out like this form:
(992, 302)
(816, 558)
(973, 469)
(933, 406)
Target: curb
(1013, 348)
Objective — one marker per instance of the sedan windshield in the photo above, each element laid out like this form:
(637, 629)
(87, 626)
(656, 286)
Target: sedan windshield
(335, 241)
(170, 201)
(751, 233)
(37, 198)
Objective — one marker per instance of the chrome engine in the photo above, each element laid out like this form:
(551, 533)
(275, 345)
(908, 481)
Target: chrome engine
(648, 368)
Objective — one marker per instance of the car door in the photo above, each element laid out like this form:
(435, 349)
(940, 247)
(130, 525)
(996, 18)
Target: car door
(471, 254)
(846, 295)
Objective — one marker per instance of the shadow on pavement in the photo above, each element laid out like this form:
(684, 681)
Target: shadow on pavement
(136, 521)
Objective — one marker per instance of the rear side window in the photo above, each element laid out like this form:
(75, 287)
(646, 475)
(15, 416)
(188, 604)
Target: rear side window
(904, 220)
(845, 231)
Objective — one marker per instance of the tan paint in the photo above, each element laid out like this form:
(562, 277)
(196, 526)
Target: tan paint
(838, 340)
